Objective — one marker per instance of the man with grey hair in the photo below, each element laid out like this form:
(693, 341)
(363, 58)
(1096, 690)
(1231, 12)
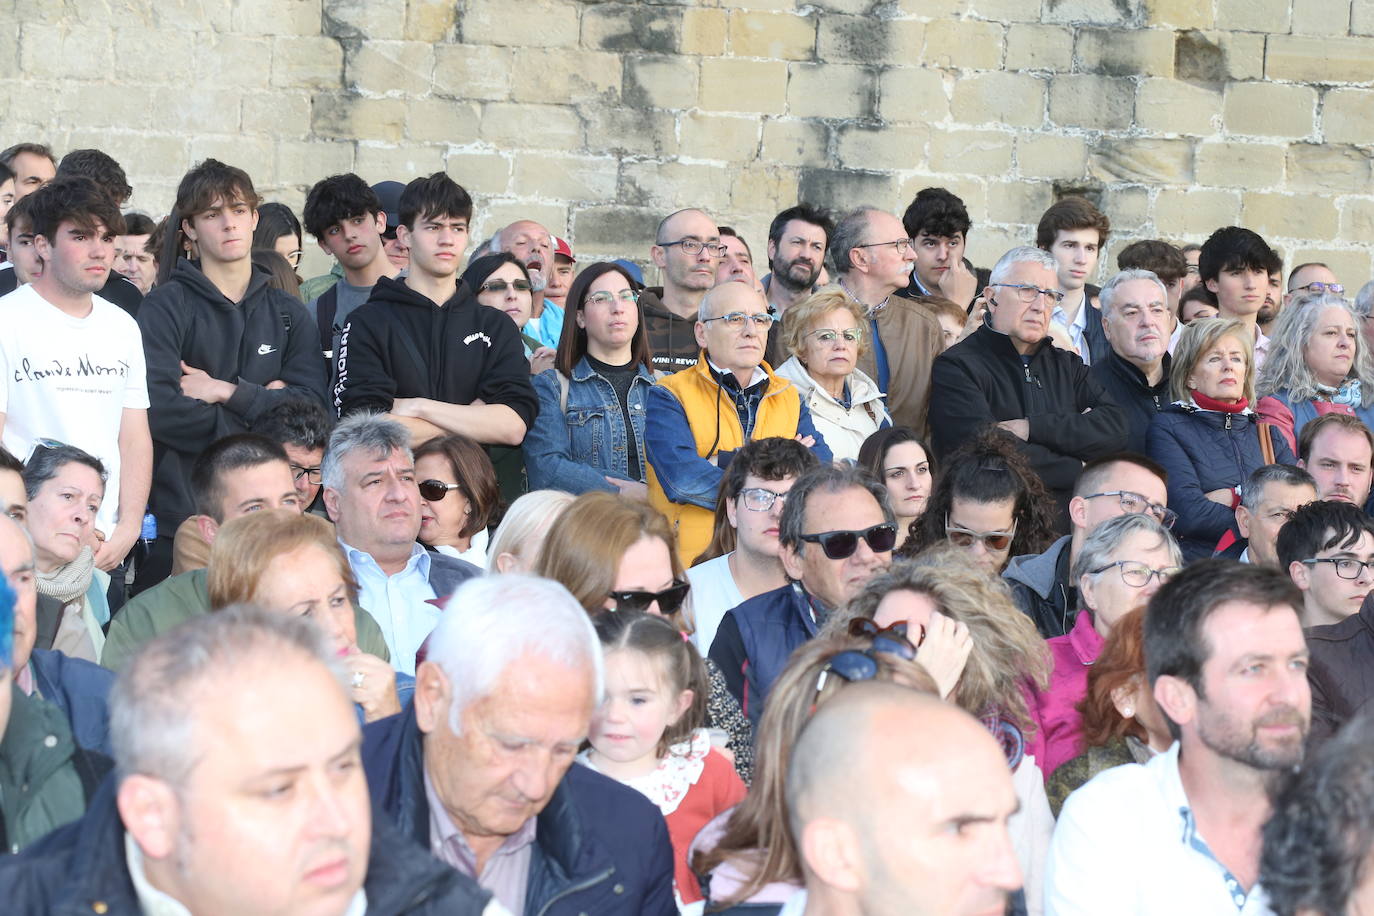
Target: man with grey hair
(874, 258)
(1138, 324)
(899, 806)
(533, 245)
(1008, 374)
(239, 790)
(1268, 499)
(479, 770)
(371, 494)
(697, 418)
(836, 532)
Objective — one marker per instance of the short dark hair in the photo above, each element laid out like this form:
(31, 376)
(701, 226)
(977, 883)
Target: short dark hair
(76, 199)
(232, 453)
(301, 422)
(211, 179)
(805, 213)
(1322, 524)
(1197, 293)
(1318, 839)
(435, 195)
(1178, 613)
(1155, 255)
(47, 461)
(101, 168)
(476, 477)
(37, 149)
(1314, 428)
(1235, 248)
(729, 230)
(10, 463)
(337, 198)
(20, 214)
(1097, 470)
(572, 341)
(938, 212)
(1252, 489)
(825, 478)
(770, 458)
(138, 224)
(275, 220)
(1067, 215)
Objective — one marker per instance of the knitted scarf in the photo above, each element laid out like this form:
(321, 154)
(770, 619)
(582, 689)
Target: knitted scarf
(69, 583)
(1207, 403)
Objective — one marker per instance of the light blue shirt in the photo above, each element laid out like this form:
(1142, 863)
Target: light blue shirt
(548, 327)
(398, 603)
(1078, 331)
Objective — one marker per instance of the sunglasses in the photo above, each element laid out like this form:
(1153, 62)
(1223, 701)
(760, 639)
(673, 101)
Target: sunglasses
(840, 545)
(500, 286)
(992, 540)
(434, 490)
(669, 600)
(862, 664)
(894, 635)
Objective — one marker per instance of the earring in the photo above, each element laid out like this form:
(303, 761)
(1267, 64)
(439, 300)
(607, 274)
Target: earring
(1128, 712)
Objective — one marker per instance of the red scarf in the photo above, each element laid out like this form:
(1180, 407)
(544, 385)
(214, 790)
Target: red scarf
(1207, 403)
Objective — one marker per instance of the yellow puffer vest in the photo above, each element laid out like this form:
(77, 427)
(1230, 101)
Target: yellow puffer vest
(712, 417)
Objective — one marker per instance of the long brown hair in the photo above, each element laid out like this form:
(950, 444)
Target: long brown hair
(472, 469)
(572, 344)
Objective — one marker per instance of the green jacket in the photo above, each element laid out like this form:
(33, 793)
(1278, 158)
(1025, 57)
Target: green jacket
(312, 288)
(41, 788)
(178, 599)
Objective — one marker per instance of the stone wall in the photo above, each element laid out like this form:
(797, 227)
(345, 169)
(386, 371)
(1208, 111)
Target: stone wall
(599, 117)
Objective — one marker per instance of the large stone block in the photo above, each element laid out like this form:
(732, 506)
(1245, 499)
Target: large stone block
(1357, 220)
(1046, 155)
(306, 62)
(1129, 206)
(1290, 216)
(1321, 17)
(842, 190)
(229, 61)
(507, 125)
(400, 68)
(1126, 52)
(1351, 266)
(307, 162)
(1104, 12)
(1002, 10)
(1309, 59)
(485, 172)
(1253, 15)
(479, 72)
(728, 84)
(669, 186)
(864, 40)
(831, 91)
(1190, 215)
(1348, 116)
(1362, 17)
(1141, 159)
(774, 36)
(1095, 102)
(969, 44)
(1011, 99)
(632, 27)
(568, 76)
(429, 20)
(881, 148)
(494, 214)
(540, 24)
(1328, 167)
(787, 141)
(973, 152)
(442, 121)
(1179, 14)
(616, 230)
(374, 19)
(410, 159)
(54, 51)
(1270, 109)
(729, 138)
(286, 115)
(573, 178)
(275, 17)
(347, 116)
(1175, 107)
(1239, 165)
(1019, 201)
(660, 82)
(759, 189)
(907, 94)
(704, 31)
(1039, 47)
(630, 132)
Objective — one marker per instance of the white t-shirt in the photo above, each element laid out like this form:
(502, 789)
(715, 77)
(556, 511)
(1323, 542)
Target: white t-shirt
(70, 379)
(713, 593)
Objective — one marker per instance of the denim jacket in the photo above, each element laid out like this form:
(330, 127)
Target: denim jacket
(577, 448)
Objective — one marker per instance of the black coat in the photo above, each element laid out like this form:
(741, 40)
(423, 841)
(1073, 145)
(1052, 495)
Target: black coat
(1128, 388)
(1341, 673)
(401, 345)
(981, 381)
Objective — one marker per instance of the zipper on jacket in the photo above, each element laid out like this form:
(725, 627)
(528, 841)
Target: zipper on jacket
(1032, 378)
(595, 879)
(1228, 421)
(1158, 405)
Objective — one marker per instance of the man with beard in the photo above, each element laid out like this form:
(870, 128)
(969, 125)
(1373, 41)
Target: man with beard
(1227, 662)
(533, 245)
(797, 241)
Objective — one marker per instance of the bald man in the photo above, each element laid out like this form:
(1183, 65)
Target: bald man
(533, 245)
(899, 806)
(698, 417)
(686, 251)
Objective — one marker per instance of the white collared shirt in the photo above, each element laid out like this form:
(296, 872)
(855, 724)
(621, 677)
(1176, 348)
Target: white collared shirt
(1127, 843)
(758, 376)
(398, 603)
(1079, 329)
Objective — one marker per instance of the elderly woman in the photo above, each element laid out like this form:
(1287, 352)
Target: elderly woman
(825, 335)
(1122, 562)
(500, 281)
(1210, 439)
(458, 496)
(65, 487)
(1318, 363)
(589, 434)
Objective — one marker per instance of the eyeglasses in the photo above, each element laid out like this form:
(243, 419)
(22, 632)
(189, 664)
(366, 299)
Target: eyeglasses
(629, 296)
(735, 320)
(294, 258)
(995, 541)
(757, 499)
(500, 286)
(1029, 292)
(1137, 504)
(1346, 567)
(316, 474)
(432, 491)
(828, 335)
(44, 445)
(840, 545)
(669, 600)
(1137, 574)
(901, 245)
(694, 246)
(895, 633)
(1317, 286)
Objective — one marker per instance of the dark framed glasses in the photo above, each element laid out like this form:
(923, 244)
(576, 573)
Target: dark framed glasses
(500, 286)
(315, 474)
(840, 545)
(669, 600)
(434, 490)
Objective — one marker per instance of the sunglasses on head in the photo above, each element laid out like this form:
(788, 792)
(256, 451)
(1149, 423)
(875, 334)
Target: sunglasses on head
(669, 600)
(862, 664)
(434, 490)
(840, 545)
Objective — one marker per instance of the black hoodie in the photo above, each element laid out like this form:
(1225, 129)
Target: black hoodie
(672, 338)
(401, 345)
(267, 336)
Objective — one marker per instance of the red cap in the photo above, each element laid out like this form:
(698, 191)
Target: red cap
(561, 249)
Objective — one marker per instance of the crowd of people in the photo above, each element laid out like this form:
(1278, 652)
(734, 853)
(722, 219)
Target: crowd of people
(475, 578)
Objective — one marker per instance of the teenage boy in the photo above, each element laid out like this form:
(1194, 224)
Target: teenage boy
(1234, 265)
(71, 363)
(222, 345)
(422, 349)
(937, 222)
(347, 221)
(1074, 232)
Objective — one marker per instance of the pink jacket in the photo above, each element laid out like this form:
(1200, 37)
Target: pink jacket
(1058, 727)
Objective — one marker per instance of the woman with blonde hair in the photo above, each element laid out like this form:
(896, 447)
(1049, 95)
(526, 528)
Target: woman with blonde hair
(825, 336)
(1210, 439)
(292, 563)
(982, 652)
(520, 536)
(617, 554)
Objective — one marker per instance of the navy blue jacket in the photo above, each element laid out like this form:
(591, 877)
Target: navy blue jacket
(81, 690)
(599, 847)
(80, 869)
(755, 639)
(1205, 450)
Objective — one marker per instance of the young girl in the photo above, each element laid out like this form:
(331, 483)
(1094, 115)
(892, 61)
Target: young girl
(648, 733)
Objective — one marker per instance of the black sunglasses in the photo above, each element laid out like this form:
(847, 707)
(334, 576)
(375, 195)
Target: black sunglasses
(434, 490)
(669, 600)
(840, 545)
